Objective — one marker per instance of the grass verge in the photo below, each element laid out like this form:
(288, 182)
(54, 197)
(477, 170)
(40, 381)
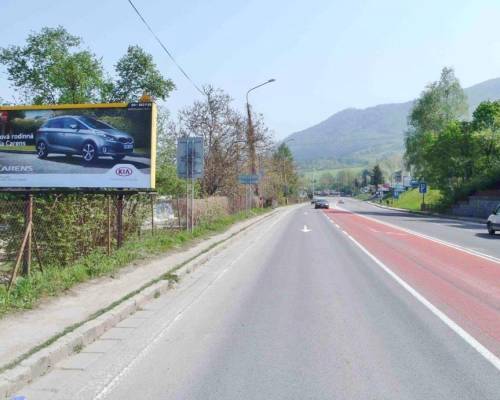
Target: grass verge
(54, 280)
(412, 199)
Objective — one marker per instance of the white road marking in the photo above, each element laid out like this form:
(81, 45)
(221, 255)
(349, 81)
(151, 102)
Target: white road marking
(305, 229)
(469, 339)
(452, 245)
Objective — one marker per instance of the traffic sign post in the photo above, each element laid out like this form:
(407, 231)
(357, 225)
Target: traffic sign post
(248, 180)
(422, 188)
(190, 162)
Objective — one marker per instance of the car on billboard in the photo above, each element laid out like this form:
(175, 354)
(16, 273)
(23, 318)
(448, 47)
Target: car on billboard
(82, 135)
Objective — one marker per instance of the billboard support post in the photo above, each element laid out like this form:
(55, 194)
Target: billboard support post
(119, 221)
(109, 225)
(28, 222)
(152, 215)
(192, 188)
(19, 257)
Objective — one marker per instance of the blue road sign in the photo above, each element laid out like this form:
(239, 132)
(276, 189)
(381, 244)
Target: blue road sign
(248, 179)
(190, 157)
(422, 187)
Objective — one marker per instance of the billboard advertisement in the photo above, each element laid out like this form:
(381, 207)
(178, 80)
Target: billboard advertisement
(78, 146)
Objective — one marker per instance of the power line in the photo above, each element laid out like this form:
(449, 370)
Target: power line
(164, 48)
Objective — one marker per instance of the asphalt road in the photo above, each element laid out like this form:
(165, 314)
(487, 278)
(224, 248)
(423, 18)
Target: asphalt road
(301, 308)
(61, 164)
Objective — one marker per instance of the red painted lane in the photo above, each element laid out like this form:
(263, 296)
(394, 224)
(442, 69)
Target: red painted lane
(464, 286)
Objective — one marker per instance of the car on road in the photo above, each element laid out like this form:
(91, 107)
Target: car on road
(493, 223)
(82, 135)
(321, 203)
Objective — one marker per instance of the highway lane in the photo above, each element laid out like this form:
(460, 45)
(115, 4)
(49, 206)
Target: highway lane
(280, 314)
(471, 235)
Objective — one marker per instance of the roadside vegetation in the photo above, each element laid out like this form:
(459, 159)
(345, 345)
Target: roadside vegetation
(412, 199)
(445, 149)
(55, 280)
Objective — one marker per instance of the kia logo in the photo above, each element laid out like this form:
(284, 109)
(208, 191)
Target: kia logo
(123, 171)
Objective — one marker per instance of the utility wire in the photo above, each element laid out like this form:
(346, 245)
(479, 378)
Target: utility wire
(166, 50)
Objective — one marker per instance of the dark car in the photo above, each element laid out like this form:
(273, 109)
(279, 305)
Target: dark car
(81, 135)
(321, 203)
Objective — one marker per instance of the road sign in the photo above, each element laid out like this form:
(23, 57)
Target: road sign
(190, 157)
(248, 179)
(422, 187)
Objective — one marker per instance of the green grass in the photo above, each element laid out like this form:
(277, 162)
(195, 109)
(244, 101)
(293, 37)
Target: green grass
(18, 148)
(412, 199)
(54, 280)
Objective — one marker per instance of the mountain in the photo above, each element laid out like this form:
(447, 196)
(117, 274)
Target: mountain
(355, 137)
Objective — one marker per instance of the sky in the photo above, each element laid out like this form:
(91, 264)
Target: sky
(326, 55)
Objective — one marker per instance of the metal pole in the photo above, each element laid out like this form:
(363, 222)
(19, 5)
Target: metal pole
(119, 221)
(187, 184)
(28, 220)
(152, 215)
(109, 225)
(192, 187)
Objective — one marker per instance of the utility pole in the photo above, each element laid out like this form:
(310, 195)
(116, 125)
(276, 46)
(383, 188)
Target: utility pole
(250, 130)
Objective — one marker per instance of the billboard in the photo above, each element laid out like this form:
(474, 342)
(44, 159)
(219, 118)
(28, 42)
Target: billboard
(78, 146)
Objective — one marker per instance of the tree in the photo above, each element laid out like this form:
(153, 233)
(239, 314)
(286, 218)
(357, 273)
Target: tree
(51, 68)
(223, 131)
(439, 104)
(377, 176)
(365, 177)
(283, 163)
(137, 73)
(486, 124)
(326, 180)
(442, 102)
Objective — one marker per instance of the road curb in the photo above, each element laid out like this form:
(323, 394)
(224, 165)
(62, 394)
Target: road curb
(79, 335)
(431, 214)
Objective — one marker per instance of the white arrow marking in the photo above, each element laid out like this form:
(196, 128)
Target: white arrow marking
(305, 229)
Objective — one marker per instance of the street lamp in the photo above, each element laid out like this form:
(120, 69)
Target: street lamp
(250, 133)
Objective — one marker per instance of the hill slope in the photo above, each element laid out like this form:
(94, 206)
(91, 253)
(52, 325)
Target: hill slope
(360, 136)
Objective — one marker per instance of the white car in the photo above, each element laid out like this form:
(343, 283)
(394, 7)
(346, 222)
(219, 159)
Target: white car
(493, 223)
